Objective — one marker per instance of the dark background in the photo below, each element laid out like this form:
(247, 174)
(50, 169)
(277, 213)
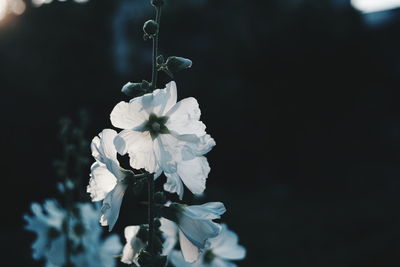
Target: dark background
(301, 97)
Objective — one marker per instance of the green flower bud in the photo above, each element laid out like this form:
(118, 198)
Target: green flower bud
(160, 60)
(135, 89)
(175, 64)
(157, 3)
(150, 27)
(131, 89)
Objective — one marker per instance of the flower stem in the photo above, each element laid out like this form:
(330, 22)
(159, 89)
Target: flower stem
(154, 75)
(151, 214)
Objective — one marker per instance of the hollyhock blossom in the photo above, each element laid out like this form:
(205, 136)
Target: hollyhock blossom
(84, 231)
(133, 245)
(163, 135)
(220, 252)
(97, 252)
(107, 178)
(194, 227)
(46, 222)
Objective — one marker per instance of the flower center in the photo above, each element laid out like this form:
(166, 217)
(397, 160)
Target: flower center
(156, 125)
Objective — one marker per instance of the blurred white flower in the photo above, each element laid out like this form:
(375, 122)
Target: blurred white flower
(220, 252)
(46, 222)
(161, 135)
(97, 252)
(133, 245)
(88, 249)
(107, 180)
(194, 226)
(16, 7)
(38, 3)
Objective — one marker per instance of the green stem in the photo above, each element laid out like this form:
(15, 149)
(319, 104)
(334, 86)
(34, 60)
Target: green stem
(154, 75)
(151, 213)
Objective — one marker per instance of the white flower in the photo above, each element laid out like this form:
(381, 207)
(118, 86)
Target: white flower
(161, 135)
(107, 180)
(221, 250)
(97, 252)
(195, 227)
(169, 230)
(48, 221)
(133, 245)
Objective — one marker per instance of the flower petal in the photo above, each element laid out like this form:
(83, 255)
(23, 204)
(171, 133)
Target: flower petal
(177, 260)
(168, 151)
(196, 222)
(104, 151)
(226, 246)
(132, 246)
(189, 251)
(218, 262)
(140, 148)
(101, 182)
(110, 247)
(159, 101)
(128, 115)
(174, 184)
(111, 205)
(193, 146)
(184, 118)
(194, 174)
(210, 210)
(170, 233)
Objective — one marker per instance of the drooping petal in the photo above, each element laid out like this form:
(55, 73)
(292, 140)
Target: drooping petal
(194, 174)
(174, 184)
(167, 150)
(226, 246)
(170, 233)
(184, 118)
(128, 115)
(112, 205)
(210, 211)
(104, 151)
(101, 182)
(133, 244)
(139, 146)
(189, 251)
(196, 222)
(194, 146)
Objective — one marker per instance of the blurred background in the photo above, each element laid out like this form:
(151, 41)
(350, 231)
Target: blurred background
(300, 95)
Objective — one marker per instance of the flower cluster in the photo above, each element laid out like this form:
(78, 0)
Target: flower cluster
(67, 229)
(161, 135)
(57, 232)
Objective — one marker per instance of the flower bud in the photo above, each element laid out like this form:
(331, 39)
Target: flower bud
(135, 89)
(150, 27)
(157, 3)
(160, 60)
(175, 64)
